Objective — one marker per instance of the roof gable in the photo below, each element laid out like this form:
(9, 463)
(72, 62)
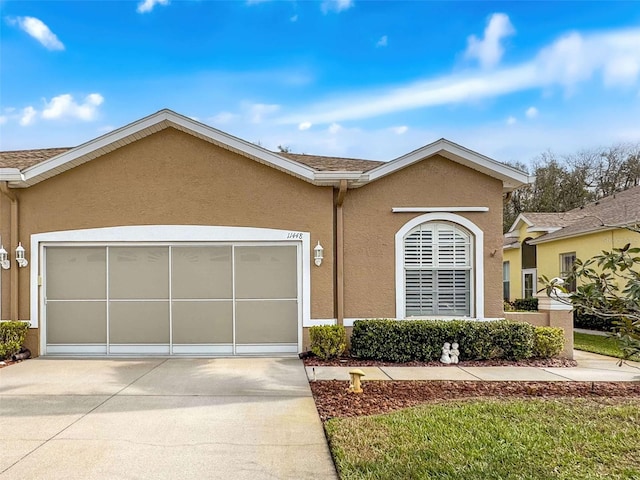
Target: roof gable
(25, 172)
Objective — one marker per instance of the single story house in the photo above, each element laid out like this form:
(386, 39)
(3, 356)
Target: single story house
(169, 237)
(548, 244)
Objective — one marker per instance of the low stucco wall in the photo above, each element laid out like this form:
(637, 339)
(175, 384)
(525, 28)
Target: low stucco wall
(551, 318)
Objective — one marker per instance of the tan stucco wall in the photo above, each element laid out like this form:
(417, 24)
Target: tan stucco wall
(172, 178)
(370, 229)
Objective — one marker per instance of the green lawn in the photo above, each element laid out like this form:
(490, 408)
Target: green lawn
(597, 344)
(492, 440)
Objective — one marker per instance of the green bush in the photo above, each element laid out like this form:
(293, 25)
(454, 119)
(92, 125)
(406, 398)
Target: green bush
(529, 304)
(548, 342)
(328, 341)
(591, 322)
(422, 340)
(12, 335)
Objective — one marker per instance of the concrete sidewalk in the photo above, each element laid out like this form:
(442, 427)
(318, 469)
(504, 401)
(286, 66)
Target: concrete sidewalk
(157, 419)
(591, 368)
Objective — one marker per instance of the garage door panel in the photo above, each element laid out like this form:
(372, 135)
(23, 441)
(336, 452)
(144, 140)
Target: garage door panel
(201, 272)
(202, 322)
(274, 321)
(138, 272)
(138, 322)
(76, 273)
(266, 272)
(76, 322)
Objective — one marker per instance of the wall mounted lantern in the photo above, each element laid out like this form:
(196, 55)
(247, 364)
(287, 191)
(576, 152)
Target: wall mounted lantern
(4, 259)
(22, 262)
(318, 254)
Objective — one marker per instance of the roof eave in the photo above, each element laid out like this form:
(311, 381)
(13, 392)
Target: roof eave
(511, 178)
(597, 229)
(147, 126)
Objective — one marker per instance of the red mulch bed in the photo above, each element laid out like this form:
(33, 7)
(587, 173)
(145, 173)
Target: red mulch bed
(333, 398)
(313, 361)
(6, 363)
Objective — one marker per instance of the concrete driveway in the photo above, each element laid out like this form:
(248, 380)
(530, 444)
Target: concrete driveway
(240, 418)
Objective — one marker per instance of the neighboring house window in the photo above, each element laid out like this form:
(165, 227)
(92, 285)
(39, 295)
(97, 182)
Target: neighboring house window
(567, 260)
(529, 255)
(506, 273)
(438, 270)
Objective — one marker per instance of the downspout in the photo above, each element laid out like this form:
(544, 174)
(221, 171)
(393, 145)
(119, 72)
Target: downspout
(342, 192)
(4, 188)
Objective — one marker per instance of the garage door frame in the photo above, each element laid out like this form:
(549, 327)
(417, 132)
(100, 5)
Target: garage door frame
(164, 235)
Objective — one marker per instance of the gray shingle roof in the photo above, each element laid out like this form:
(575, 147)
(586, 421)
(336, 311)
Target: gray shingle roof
(617, 210)
(22, 159)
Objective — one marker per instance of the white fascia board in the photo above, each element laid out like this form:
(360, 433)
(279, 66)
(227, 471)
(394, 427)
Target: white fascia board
(438, 209)
(333, 178)
(10, 175)
(511, 246)
(151, 124)
(511, 177)
(516, 222)
(544, 229)
(543, 238)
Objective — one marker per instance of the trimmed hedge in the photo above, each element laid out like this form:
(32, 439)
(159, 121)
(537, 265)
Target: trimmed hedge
(12, 336)
(548, 342)
(591, 322)
(526, 304)
(422, 340)
(328, 341)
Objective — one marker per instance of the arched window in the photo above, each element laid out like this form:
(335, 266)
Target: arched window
(438, 270)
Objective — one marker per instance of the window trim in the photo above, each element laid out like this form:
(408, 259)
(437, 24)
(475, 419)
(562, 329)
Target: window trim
(477, 290)
(563, 273)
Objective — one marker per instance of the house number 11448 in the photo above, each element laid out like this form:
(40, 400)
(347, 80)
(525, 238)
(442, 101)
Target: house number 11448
(296, 235)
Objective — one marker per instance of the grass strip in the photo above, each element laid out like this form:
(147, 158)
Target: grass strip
(524, 439)
(598, 344)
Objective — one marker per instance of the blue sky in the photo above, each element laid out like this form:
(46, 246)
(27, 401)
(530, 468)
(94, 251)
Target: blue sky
(351, 78)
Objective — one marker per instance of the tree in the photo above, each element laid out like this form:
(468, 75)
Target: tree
(608, 287)
(565, 183)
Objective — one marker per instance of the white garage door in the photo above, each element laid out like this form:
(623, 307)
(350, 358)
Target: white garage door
(172, 299)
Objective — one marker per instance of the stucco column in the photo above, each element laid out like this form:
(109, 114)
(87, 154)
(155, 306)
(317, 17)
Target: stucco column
(560, 311)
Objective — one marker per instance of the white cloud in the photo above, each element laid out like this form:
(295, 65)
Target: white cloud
(38, 30)
(64, 106)
(28, 116)
(511, 120)
(304, 126)
(532, 112)
(402, 129)
(383, 42)
(294, 18)
(489, 50)
(258, 111)
(223, 118)
(3, 119)
(336, 6)
(564, 63)
(147, 5)
(334, 128)
(106, 129)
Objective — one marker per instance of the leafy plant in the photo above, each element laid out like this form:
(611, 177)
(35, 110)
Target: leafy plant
(328, 341)
(12, 336)
(526, 304)
(547, 342)
(608, 287)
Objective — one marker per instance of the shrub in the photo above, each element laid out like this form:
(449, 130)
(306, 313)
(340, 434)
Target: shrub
(526, 304)
(12, 335)
(422, 340)
(328, 341)
(591, 322)
(548, 342)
